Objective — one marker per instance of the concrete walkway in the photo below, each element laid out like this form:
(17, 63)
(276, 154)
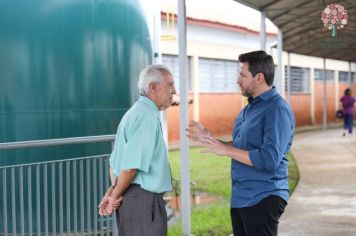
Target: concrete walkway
(324, 203)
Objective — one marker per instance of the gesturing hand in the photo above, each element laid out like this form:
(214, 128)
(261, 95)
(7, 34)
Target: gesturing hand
(213, 145)
(197, 131)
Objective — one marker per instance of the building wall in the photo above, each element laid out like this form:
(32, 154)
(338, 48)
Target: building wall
(299, 104)
(173, 121)
(217, 111)
(330, 101)
(216, 117)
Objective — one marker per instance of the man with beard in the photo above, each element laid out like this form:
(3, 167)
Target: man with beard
(262, 136)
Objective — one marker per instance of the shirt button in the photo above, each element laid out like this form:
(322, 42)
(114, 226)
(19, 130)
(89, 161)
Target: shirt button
(243, 120)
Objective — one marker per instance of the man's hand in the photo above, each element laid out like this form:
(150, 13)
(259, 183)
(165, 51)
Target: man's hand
(115, 203)
(108, 204)
(215, 146)
(104, 207)
(197, 131)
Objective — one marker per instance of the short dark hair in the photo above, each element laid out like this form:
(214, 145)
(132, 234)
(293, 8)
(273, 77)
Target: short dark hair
(347, 92)
(259, 62)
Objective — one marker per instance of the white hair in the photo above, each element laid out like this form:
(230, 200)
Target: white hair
(151, 74)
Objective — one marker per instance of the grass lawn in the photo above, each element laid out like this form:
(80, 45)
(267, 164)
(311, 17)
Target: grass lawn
(211, 174)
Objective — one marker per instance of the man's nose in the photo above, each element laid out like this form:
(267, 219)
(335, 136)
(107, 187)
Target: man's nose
(174, 90)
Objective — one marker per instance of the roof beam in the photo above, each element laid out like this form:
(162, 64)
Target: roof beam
(342, 56)
(304, 32)
(301, 31)
(300, 23)
(306, 15)
(283, 9)
(269, 4)
(309, 41)
(304, 40)
(289, 10)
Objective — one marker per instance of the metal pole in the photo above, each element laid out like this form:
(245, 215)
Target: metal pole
(55, 142)
(325, 113)
(263, 32)
(183, 75)
(281, 83)
(349, 75)
(289, 81)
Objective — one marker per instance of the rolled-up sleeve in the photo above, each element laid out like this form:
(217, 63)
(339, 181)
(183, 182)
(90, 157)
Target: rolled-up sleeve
(140, 143)
(277, 133)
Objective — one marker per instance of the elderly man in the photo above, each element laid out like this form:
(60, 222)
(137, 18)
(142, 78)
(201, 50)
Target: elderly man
(262, 136)
(139, 167)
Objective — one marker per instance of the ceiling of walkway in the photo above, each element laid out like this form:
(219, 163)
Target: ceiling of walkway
(305, 33)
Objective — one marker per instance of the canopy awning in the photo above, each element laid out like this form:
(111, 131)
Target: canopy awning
(304, 31)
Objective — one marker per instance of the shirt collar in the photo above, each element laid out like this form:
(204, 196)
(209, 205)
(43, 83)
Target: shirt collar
(267, 95)
(148, 102)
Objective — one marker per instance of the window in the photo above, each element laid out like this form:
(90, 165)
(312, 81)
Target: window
(344, 77)
(171, 61)
(329, 75)
(218, 75)
(299, 79)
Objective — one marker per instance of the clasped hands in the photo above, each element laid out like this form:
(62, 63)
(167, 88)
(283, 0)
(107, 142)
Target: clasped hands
(198, 132)
(109, 203)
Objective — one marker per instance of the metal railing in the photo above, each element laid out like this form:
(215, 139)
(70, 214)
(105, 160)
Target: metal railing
(56, 142)
(55, 197)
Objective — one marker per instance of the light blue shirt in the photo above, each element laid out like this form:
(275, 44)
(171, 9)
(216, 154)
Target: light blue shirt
(139, 144)
(265, 128)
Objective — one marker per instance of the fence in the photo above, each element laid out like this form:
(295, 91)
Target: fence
(55, 197)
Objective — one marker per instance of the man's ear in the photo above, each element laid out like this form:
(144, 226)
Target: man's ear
(152, 87)
(261, 77)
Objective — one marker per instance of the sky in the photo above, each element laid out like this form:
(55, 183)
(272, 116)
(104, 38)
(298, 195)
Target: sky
(224, 11)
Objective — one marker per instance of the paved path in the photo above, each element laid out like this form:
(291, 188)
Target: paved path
(324, 203)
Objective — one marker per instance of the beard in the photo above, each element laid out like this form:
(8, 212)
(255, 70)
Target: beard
(246, 93)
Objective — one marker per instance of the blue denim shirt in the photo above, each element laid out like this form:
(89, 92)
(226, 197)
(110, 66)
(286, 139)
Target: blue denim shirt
(265, 128)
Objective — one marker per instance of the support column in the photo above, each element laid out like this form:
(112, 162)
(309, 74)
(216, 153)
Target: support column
(281, 82)
(263, 32)
(195, 81)
(312, 95)
(349, 79)
(184, 145)
(289, 81)
(337, 84)
(325, 105)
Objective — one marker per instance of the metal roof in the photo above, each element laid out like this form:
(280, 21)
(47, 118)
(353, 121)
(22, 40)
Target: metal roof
(303, 30)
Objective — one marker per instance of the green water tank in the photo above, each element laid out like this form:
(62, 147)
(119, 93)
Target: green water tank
(68, 68)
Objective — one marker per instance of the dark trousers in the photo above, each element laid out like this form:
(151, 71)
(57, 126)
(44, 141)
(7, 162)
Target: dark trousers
(348, 122)
(259, 220)
(142, 213)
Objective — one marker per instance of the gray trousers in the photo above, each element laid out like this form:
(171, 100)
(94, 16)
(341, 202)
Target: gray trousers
(142, 213)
